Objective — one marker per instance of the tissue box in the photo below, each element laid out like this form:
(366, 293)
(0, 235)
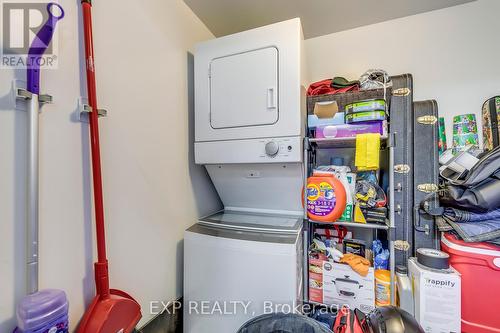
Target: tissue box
(313, 121)
(351, 130)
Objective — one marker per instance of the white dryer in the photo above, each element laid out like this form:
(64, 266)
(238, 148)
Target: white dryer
(249, 130)
(250, 87)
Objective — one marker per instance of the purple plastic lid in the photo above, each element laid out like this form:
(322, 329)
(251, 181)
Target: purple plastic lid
(38, 309)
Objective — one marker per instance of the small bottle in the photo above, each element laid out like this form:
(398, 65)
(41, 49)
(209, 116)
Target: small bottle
(382, 287)
(404, 294)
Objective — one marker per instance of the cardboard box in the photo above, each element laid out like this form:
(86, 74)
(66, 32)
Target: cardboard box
(337, 284)
(342, 285)
(326, 109)
(313, 121)
(436, 294)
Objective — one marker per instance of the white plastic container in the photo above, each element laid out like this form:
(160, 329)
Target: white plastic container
(348, 179)
(404, 294)
(437, 297)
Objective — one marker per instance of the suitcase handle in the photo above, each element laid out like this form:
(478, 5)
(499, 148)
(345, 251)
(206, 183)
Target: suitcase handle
(416, 219)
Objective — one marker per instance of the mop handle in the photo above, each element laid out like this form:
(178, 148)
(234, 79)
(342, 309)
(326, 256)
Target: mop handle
(32, 212)
(39, 46)
(37, 49)
(101, 267)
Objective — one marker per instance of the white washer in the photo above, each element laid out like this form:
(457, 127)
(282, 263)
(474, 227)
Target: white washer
(239, 265)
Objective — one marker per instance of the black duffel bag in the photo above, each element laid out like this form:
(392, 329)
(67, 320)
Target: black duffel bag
(479, 190)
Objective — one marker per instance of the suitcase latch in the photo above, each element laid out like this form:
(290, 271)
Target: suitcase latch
(401, 92)
(402, 168)
(401, 245)
(427, 188)
(427, 120)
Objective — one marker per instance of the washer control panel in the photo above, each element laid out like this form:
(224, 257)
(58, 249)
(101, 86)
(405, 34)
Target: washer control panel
(277, 148)
(263, 150)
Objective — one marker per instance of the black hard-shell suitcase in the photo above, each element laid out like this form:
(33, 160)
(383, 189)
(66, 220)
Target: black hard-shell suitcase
(401, 125)
(425, 172)
(491, 123)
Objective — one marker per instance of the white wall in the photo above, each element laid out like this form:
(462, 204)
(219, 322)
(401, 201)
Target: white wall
(152, 190)
(452, 53)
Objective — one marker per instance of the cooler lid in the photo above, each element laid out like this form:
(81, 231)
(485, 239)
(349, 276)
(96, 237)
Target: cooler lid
(481, 248)
(254, 221)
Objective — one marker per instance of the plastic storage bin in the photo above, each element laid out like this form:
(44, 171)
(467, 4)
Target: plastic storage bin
(351, 130)
(479, 265)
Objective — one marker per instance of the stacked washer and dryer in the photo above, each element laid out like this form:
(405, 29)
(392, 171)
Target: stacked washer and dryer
(249, 130)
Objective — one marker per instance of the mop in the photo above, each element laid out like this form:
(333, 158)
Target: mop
(41, 310)
(112, 310)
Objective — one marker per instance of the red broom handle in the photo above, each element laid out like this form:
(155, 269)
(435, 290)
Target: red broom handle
(101, 270)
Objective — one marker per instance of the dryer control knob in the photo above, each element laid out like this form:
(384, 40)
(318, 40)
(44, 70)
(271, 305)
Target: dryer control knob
(272, 148)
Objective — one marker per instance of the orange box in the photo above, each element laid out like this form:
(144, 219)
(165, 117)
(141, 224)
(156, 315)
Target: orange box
(316, 280)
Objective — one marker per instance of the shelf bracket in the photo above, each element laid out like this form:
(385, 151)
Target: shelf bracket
(391, 140)
(392, 233)
(307, 144)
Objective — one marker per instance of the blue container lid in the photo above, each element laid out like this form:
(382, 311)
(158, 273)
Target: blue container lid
(40, 308)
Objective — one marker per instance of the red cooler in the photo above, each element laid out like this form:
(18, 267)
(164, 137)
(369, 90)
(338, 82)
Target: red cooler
(479, 265)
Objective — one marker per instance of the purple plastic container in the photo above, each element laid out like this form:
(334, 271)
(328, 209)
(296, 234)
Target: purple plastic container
(351, 130)
(45, 311)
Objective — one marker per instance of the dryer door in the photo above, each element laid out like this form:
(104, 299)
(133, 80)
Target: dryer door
(244, 89)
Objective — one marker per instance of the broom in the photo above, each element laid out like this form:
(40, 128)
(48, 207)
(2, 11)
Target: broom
(111, 310)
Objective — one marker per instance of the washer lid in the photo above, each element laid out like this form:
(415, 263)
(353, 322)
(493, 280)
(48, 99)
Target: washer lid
(254, 221)
(479, 248)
